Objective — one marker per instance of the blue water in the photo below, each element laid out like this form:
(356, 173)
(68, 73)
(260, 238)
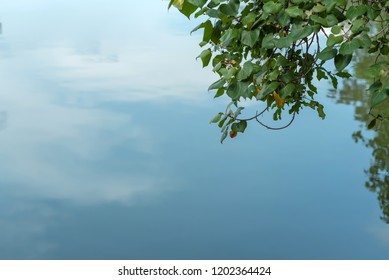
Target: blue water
(107, 152)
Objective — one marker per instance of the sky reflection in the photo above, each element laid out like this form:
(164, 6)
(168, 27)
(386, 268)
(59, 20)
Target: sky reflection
(104, 135)
(62, 69)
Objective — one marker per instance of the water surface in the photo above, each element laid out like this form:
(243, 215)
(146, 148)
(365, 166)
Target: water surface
(106, 151)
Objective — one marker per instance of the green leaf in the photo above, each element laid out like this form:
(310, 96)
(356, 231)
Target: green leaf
(341, 61)
(230, 9)
(384, 50)
(281, 60)
(228, 73)
(357, 24)
(373, 13)
(318, 8)
(294, 11)
(176, 3)
(336, 29)
(378, 97)
(284, 42)
(364, 41)
(288, 77)
(198, 3)
(272, 8)
(185, 7)
(283, 18)
(216, 118)
(219, 92)
(268, 42)
(356, 11)
(287, 90)
(320, 111)
(268, 88)
(246, 71)
(327, 54)
(208, 30)
(331, 20)
(312, 87)
(331, 4)
(249, 20)
(229, 36)
(334, 81)
(333, 40)
(224, 136)
(238, 111)
(320, 20)
(377, 85)
(237, 89)
(249, 38)
(218, 84)
(344, 75)
(239, 126)
(205, 56)
(214, 13)
(298, 32)
(273, 75)
(320, 74)
(201, 12)
(349, 47)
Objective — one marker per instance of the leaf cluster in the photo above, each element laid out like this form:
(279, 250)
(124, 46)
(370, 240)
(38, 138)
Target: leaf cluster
(273, 51)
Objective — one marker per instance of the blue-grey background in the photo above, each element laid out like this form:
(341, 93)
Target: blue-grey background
(107, 153)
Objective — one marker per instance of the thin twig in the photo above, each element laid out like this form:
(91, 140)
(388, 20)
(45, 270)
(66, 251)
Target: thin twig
(277, 128)
(256, 115)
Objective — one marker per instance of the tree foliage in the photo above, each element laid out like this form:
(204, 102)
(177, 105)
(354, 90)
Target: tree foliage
(273, 51)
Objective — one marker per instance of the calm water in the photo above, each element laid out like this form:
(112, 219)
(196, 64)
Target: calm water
(106, 151)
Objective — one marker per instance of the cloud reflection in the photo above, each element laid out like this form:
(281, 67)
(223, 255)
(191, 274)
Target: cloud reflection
(61, 141)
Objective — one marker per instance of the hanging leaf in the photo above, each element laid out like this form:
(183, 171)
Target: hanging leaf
(218, 84)
(224, 136)
(216, 118)
(205, 57)
(349, 47)
(327, 54)
(342, 61)
(279, 101)
(239, 126)
(233, 134)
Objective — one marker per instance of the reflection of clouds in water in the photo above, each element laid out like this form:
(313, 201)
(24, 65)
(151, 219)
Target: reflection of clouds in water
(57, 142)
(128, 74)
(23, 226)
(52, 151)
(60, 143)
(63, 154)
(115, 52)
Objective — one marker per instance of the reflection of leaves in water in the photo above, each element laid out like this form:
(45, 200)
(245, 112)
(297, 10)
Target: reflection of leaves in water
(354, 92)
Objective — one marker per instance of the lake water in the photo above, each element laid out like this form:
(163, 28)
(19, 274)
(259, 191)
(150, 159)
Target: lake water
(107, 152)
